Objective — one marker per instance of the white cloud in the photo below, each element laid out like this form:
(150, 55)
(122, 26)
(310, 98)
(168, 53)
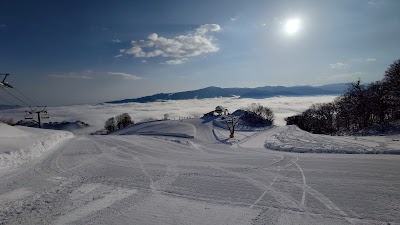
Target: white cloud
(125, 76)
(96, 115)
(207, 28)
(233, 19)
(144, 61)
(117, 56)
(363, 60)
(116, 40)
(343, 76)
(337, 65)
(86, 75)
(179, 47)
(175, 61)
(375, 2)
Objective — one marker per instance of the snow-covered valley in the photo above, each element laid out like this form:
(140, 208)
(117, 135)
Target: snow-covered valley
(135, 178)
(96, 115)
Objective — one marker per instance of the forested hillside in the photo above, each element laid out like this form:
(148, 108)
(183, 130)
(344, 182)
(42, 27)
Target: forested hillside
(362, 106)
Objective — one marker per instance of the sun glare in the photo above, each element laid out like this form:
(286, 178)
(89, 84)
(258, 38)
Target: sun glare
(292, 26)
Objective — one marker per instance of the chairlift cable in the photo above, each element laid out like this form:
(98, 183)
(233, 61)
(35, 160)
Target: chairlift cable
(34, 102)
(6, 101)
(18, 98)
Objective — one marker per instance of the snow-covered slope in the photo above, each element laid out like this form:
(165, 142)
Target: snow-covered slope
(7, 131)
(160, 128)
(136, 179)
(22, 144)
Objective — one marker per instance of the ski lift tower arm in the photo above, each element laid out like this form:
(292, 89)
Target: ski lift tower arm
(4, 83)
(5, 76)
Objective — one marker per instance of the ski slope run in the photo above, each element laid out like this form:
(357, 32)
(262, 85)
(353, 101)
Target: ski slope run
(163, 179)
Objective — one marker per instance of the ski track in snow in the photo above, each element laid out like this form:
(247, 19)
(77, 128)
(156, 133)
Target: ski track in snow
(303, 197)
(132, 179)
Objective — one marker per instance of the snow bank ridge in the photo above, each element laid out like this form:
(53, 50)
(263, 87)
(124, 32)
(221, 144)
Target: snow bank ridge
(294, 139)
(40, 145)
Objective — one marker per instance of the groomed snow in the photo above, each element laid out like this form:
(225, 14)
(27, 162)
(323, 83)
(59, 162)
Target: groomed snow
(142, 179)
(19, 145)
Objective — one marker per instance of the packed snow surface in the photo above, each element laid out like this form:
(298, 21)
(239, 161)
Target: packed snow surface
(22, 144)
(137, 179)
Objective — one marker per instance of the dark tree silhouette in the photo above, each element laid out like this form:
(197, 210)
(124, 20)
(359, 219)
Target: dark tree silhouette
(362, 106)
(392, 90)
(263, 115)
(123, 120)
(110, 125)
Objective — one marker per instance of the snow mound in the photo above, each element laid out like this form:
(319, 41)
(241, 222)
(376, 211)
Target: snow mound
(293, 139)
(241, 126)
(160, 128)
(19, 145)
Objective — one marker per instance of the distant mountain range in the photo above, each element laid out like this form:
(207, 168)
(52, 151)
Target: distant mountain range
(3, 107)
(258, 93)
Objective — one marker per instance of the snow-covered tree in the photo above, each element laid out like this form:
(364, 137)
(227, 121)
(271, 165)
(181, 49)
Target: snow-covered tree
(123, 120)
(392, 84)
(263, 112)
(110, 125)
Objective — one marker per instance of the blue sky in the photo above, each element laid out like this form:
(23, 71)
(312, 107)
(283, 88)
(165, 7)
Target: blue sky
(72, 52)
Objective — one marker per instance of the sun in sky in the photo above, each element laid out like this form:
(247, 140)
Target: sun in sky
(292, 26)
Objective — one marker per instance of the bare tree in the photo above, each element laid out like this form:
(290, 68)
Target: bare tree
(123, 120)
(263, 112)
(231, 122)
(392, 92)
(362, 106)
(6, 120)
(110, 125)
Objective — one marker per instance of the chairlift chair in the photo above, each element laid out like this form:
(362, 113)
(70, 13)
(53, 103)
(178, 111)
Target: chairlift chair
(44, 115)
(5, 85)
(28, 115)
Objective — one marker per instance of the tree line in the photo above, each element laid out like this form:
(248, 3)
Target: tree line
(361, 106)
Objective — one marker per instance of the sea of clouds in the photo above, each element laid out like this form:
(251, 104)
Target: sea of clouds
(96, 115)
